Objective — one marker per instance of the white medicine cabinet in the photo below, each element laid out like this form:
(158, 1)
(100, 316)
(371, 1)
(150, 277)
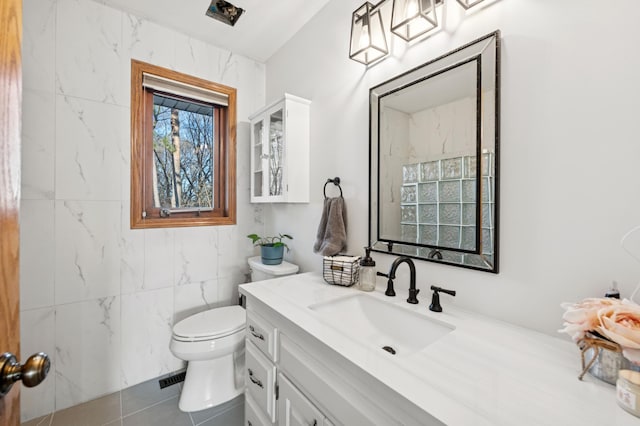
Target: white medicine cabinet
(280, 152)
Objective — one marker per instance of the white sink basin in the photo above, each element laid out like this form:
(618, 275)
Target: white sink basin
(381, 324)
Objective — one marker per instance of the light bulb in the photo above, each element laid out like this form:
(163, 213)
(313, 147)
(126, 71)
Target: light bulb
(365, 40)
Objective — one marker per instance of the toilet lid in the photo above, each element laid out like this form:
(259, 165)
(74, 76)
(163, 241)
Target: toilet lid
(284, 268)
(214, 323)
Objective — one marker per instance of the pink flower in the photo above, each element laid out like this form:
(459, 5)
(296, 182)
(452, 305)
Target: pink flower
(621, 324)
(582, 317)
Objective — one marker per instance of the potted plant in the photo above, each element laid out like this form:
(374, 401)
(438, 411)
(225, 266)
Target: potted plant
(271, 248)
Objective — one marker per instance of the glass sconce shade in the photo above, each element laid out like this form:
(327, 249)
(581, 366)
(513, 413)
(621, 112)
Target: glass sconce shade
(412, 18)
(468, 3)
(368, 41)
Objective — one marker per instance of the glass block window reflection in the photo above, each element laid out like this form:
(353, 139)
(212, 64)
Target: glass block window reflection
(438, 204)
(408, 194)
(410, 173)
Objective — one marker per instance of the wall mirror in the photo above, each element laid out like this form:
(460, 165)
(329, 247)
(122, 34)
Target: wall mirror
(434, 139)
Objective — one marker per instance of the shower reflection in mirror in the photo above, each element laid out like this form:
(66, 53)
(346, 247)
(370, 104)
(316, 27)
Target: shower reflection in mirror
(434, 157)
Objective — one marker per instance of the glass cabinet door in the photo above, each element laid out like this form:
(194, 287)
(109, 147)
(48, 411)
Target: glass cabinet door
(280, 151)
(275, 149)
(257, 158)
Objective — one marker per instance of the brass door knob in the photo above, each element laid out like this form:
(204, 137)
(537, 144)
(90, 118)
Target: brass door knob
(32, 373)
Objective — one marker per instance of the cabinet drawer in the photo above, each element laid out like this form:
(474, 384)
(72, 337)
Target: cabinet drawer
(329, 390)
(294, 409)
(253, 415)
(260, 378)
(263, 334)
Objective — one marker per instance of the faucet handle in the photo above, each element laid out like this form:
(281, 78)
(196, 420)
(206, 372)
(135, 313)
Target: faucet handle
(389, 291)
(435, 299)
(443, 290)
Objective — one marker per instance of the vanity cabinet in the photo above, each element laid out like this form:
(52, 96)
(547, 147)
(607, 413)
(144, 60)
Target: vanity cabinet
(293, 379)
(267, 388)
(280, 152)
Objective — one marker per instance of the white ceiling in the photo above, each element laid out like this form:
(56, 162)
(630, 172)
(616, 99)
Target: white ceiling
(263, 28)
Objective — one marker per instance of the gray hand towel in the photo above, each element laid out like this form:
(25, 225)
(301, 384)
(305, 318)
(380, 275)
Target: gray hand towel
(332, 231)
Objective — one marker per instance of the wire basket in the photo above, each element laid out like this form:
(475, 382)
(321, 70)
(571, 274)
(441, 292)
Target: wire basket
(341, 270)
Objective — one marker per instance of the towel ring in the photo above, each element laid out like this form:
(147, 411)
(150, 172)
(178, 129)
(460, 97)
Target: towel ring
(336, 182)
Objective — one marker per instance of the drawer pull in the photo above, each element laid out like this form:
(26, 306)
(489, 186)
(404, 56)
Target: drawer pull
(253, 380)
(256, 335)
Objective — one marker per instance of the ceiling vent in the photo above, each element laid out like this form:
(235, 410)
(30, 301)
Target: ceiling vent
(224, 11)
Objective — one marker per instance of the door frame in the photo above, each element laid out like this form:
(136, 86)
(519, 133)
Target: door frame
(10, 129)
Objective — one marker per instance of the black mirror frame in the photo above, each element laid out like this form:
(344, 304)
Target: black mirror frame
(472, 259)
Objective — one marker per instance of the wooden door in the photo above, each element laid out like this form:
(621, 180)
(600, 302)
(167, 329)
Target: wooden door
(10, 116)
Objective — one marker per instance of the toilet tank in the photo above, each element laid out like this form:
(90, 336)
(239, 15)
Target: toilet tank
(260, 272)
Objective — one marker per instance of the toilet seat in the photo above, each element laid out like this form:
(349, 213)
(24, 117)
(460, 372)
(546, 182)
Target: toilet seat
(212, 324)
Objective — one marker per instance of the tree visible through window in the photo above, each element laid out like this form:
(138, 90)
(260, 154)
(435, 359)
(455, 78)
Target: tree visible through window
(183, 154)
(183, 141)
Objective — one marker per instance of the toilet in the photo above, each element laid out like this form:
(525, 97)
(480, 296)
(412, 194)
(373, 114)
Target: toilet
(212, 343)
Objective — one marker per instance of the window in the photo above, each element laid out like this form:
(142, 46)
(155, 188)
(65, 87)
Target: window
(183, 149)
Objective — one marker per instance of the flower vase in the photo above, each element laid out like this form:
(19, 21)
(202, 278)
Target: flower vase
(603, 359)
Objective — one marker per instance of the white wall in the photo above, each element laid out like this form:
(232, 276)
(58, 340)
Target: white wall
(99, 298)
(396, 129)
(569, 143)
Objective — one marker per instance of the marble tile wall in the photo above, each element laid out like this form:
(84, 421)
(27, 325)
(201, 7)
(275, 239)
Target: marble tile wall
(98, 297)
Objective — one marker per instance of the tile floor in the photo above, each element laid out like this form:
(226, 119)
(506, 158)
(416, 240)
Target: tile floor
(143, 405)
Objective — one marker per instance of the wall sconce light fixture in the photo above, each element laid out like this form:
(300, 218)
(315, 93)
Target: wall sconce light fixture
(410, 19)
(368, 40)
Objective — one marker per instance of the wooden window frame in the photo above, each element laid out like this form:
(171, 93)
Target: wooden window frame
(143, 212)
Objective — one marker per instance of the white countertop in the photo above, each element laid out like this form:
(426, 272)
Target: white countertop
(485, 372)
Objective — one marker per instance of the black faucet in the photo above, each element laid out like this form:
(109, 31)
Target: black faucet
(413, 291)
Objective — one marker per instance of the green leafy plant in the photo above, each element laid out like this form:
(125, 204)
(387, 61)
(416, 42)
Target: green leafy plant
(275, 241)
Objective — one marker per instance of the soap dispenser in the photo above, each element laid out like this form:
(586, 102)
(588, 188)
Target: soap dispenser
(367, 272)
(613, 291)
